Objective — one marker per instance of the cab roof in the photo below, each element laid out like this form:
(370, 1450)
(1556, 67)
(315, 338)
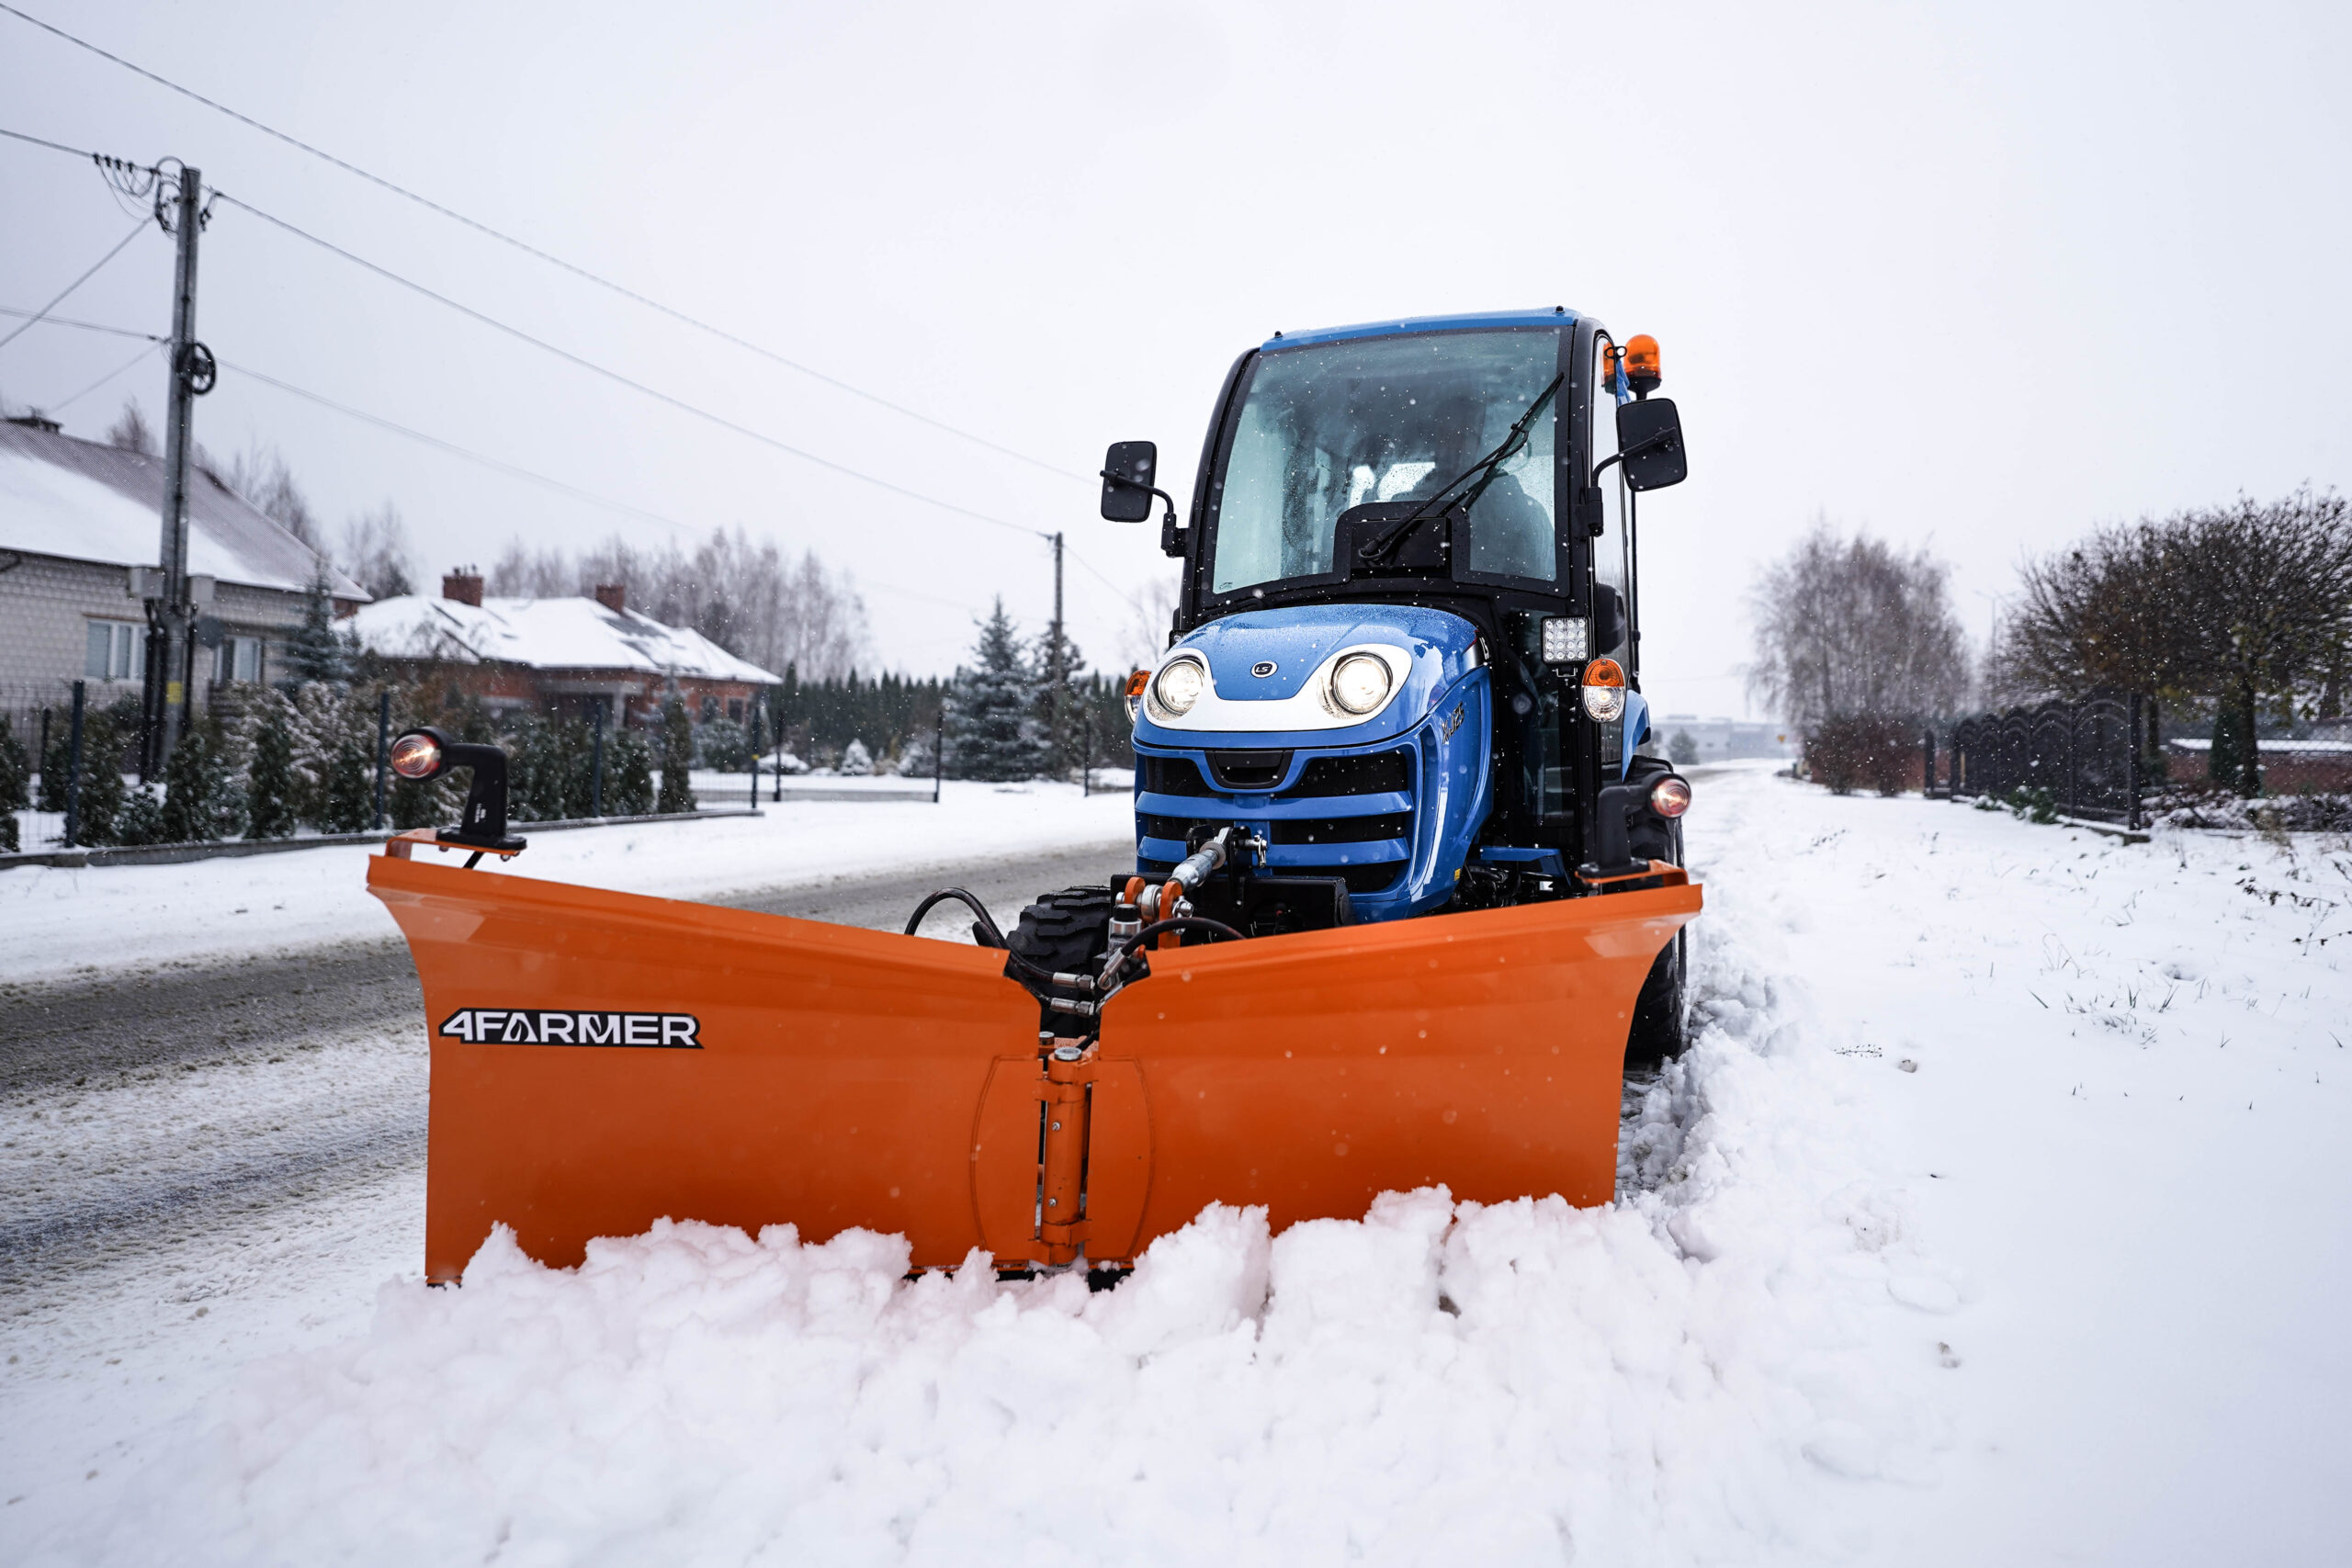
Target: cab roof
(1550, 316)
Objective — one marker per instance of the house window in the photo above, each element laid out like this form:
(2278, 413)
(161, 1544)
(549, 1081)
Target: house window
(735, 709)
(118, 650)
(237, 659)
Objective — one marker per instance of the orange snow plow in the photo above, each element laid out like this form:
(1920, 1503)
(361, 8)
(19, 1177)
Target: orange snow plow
(602, 1060)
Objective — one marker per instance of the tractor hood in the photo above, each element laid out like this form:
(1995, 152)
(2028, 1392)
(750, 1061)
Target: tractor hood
(1268, 669)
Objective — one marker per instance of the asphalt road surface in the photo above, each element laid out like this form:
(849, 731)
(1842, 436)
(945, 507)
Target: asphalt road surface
(143, 1110)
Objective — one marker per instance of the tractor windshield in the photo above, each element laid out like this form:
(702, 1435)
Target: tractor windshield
(1388, 419)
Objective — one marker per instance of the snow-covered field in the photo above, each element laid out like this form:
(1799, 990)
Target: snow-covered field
(1999, 1213)
(54, 922)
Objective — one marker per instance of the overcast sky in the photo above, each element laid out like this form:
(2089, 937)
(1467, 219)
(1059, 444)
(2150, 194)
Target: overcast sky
(1978, 277)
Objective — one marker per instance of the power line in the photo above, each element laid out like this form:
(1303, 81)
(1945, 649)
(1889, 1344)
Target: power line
(44, 142)
(34, 320)
(614, 375)
(85, 326)
(67, 403)
(533, 250)
(514, 470)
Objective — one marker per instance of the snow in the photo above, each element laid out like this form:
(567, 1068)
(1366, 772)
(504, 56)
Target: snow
(104, 919)
(1997, 1213)
(545, 634)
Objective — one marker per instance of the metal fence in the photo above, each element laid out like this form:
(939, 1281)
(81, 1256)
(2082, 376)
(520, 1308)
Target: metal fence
(2085, 754)
(42, 726)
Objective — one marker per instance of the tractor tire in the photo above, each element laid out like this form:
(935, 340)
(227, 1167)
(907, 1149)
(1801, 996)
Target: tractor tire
(1062, 934)
(1662, 1011)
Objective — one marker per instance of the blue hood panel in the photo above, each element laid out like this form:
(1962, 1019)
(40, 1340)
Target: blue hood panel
(1296, 639)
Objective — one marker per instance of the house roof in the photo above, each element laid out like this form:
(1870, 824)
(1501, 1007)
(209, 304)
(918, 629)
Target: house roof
(60, 495)
(544, 634)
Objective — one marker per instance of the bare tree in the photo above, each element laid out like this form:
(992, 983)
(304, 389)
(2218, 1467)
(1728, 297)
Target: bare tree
(520, 572)
(748, 598)
(2249, 605)
(1153, 611)
(1847, 628)
(376, 552)
(260, 474)
(130, 430)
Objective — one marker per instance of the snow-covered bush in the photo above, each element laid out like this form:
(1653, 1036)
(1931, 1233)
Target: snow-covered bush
(857, 762)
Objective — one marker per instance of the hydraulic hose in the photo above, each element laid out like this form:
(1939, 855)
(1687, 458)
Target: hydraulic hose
(1176, 922)
(988, 927)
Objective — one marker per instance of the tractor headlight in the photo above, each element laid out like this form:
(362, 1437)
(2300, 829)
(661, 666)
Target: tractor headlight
(1360, 682)
(1178, 686)
(416, 755)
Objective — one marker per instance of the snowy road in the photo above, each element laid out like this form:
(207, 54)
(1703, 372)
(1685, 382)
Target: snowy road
(1998, 1213)
(137, 1113)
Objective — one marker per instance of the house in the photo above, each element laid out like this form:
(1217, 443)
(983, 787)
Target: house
(76, 516)
(556, 656)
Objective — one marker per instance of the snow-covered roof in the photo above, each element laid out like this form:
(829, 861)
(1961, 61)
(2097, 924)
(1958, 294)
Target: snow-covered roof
(82, 501)
(544, 634)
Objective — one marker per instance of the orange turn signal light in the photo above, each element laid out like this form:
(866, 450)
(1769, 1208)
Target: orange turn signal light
(1641, 363)
(1137, 682)
(1604, 690)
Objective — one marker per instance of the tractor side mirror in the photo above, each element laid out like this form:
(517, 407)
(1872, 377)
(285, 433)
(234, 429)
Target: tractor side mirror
(1649, 443)
(1130, 473)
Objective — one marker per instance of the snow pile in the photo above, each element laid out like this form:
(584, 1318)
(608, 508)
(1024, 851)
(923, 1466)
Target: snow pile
(1704, 1371)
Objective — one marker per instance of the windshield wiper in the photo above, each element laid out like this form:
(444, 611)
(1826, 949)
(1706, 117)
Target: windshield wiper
(1384, 545)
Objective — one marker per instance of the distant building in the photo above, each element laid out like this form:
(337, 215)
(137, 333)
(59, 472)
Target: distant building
(76, 516)
(566, 656)
(1723, 739)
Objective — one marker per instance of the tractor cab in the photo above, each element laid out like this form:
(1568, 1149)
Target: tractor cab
(1404, 660)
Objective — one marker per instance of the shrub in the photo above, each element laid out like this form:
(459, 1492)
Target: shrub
(1864, 751)
(721, 745)
(143, 819)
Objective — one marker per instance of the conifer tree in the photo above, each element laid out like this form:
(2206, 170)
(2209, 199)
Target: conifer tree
(628, 780)
(102, 791)
(141, 820)
(347, 802)
(677, 757)
(188, 776)
(993, 729)
(270, 783)
(317, 652)
(16, 784)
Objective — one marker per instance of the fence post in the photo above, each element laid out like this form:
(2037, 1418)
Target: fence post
(1086, 759)
(2074, 759)
(2132, 766)
(755, 782)
(383, 740)
(73, 770)
(596, 762)
(938, 753)
(1928, 762)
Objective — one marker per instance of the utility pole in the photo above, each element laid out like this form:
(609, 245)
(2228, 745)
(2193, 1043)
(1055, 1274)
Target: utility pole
(171, 668)
(1056, 662)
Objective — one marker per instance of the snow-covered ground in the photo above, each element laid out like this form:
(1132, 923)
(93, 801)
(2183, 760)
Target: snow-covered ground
(1999, 1213)
(55, 921)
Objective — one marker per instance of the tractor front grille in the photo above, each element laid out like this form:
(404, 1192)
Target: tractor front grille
(1329, 821)
(1383, 772)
